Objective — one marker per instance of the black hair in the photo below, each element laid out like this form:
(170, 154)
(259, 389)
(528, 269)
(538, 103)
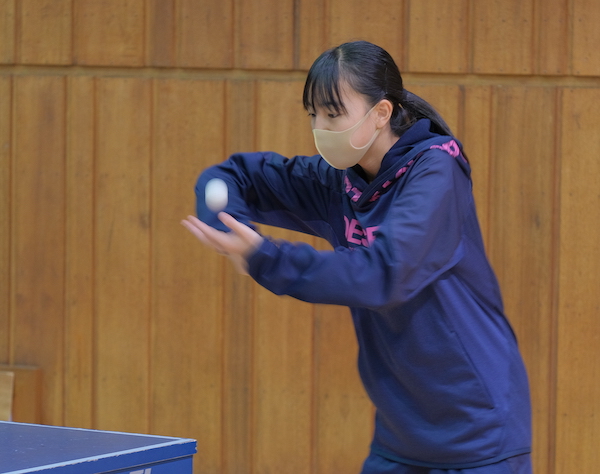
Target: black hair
(371, 71)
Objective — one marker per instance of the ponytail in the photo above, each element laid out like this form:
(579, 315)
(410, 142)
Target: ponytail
(413, 108)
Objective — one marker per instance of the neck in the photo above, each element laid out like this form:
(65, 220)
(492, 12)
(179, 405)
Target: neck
(371, 162)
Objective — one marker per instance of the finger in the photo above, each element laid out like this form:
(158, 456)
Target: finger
(204, 233)
(242, 230)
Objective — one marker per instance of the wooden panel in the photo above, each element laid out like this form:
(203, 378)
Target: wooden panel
(586, 37)
(7, 380)
(38, 243)
(286, 131)
(122, 255)
(553, 40)
(476, 138)
(79, 257)
(578, 399)
(264, 34)
(204, 33)
(238, 314)
(311, 33)
(7, 31)
(45, 32)
(160, 36)
(109, 32)
(5, 216)
(187, 297)
(283, 386)
(344, 418)
(438, 36)
(522, 236)
(503, 37)
(27, 393)
(378, 21)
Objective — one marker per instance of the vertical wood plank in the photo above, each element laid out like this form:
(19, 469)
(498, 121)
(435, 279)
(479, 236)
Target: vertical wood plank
(7, 31)
(283, 390)
(283, 387)
(187, 287)
(311, 34)
(160, 33)
(122, 254)
(79, 257)
(553, 40)
(503, 37)
(435, 23)
(238, 314)
(578, 396)
(522, 236)
(38, 207)
(287, 131)
(264, 34)
(476, 138)
(109, 32)
(378, 21)
(344, 418)
(45, 32)
(5, 215)
(205, 33)
(586, 36)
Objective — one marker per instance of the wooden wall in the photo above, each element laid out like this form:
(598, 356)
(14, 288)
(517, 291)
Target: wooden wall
(110, 108)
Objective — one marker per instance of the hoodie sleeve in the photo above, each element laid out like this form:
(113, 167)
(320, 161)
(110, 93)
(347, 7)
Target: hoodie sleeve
(293, 193)
(418, 240)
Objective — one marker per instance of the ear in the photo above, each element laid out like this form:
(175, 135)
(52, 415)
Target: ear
(383, 113)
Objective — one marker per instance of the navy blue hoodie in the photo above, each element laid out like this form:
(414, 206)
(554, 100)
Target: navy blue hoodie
(437, 356)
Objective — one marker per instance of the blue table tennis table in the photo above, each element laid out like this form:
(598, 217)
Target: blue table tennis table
(28, 448)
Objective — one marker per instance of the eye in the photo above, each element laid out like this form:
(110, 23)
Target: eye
(312, 114)
(332, 115)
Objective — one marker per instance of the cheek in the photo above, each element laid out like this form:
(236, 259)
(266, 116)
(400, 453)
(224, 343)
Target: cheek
(363, 135)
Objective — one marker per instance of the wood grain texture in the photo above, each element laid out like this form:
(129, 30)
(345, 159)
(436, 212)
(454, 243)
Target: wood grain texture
(204, 33)
(553, 37)
(5, 217)
(109, 32)
(578, 395)
(38, 236)
(311, 35)
(522, 238)
(122, 266)
(45, 32)
(344, 414)
(264, 34)
(79, 256)
(476, 137)
(435, 23)
(503, 37)
(586, 36)
(7, 31)
(27, 393)
(161, 39)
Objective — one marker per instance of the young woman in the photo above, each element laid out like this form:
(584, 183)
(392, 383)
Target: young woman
(391, 191)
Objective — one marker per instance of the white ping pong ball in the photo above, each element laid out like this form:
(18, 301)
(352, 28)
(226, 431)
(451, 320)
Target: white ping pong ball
(215, 194)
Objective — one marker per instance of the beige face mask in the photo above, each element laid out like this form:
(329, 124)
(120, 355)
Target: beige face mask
(337, 149)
